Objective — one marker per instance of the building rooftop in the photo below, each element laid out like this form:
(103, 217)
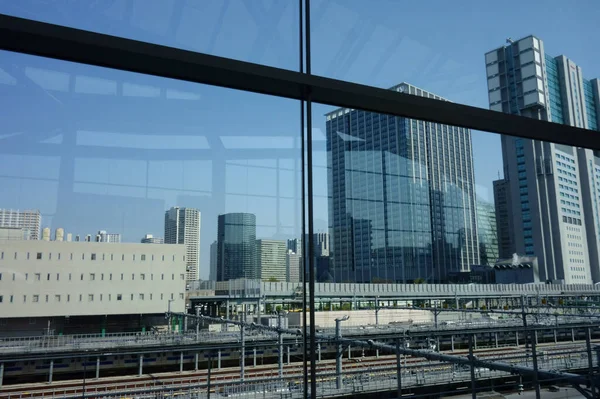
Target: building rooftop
(402, 87)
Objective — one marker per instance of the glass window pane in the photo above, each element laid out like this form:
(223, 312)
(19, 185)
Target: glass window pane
(262, 32)
(441, 47)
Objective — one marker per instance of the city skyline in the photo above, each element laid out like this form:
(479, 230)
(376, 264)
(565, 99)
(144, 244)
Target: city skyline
(203, 140)
(130, 190)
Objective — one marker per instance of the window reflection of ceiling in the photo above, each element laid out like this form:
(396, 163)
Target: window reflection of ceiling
(128, 140)
(257, 31)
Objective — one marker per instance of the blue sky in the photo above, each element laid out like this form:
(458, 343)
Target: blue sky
(99, 149)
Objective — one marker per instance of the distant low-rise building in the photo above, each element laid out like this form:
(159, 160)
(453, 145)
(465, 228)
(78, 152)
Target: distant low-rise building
(516, 270)
(14, 233)
(103, 236)
(87, 286)
(150, 239)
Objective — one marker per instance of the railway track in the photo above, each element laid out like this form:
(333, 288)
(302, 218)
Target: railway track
(262, 372)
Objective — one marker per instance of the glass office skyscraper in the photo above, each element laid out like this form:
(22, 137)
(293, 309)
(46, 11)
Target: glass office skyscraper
(553, 190)
(401, 197)
(236, 247)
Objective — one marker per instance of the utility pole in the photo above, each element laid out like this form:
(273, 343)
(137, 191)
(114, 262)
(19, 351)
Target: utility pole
(340, 351)
(197, 322)
(243, 351)
(280, 342)
(208, 374)
(398, 369)
(84, 375)
(169, 312)
(472, 360)
(536, 383)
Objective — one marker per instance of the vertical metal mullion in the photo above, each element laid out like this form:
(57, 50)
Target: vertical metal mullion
(309, 166)
(303, 194)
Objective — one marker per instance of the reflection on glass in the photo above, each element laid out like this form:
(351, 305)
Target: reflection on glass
(236, 247)
(255, 31)
(154, 169)
(402, 198)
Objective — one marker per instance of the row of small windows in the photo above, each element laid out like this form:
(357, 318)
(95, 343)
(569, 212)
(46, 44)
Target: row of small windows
(579, 253)
(57, 298)
(573, 175)
(575, 244)
(577, 268)
(564, 165)
(92, 256)
(577, 277)
(569, 196)
(564, 179)
(571, 212)
(565, 158)
(580, 261)
(529, 249)
(92, 276)
(567, 188)
(569, 203)
(571, 220)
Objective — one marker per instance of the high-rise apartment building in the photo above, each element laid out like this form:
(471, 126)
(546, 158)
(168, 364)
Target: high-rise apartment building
(236, 247)
(295, 245)
(214, 252)
(402, 197)
(292, 266)
(486, 228)
(552, 189)
(30, 220)
(182, 226)
(321, 244)
(271, 259)
(150, 239)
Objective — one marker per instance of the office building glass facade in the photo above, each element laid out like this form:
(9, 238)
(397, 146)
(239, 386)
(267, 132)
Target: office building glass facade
(236, 247)
(402, 201)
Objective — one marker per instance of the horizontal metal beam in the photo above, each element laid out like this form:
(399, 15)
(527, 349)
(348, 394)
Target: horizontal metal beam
(53, 41)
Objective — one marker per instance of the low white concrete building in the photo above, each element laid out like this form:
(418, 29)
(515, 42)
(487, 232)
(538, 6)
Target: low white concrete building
(358, 318)
(45, 279)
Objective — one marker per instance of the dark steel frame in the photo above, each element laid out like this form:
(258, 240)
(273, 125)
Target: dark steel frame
(75, 45)
(69, 44)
